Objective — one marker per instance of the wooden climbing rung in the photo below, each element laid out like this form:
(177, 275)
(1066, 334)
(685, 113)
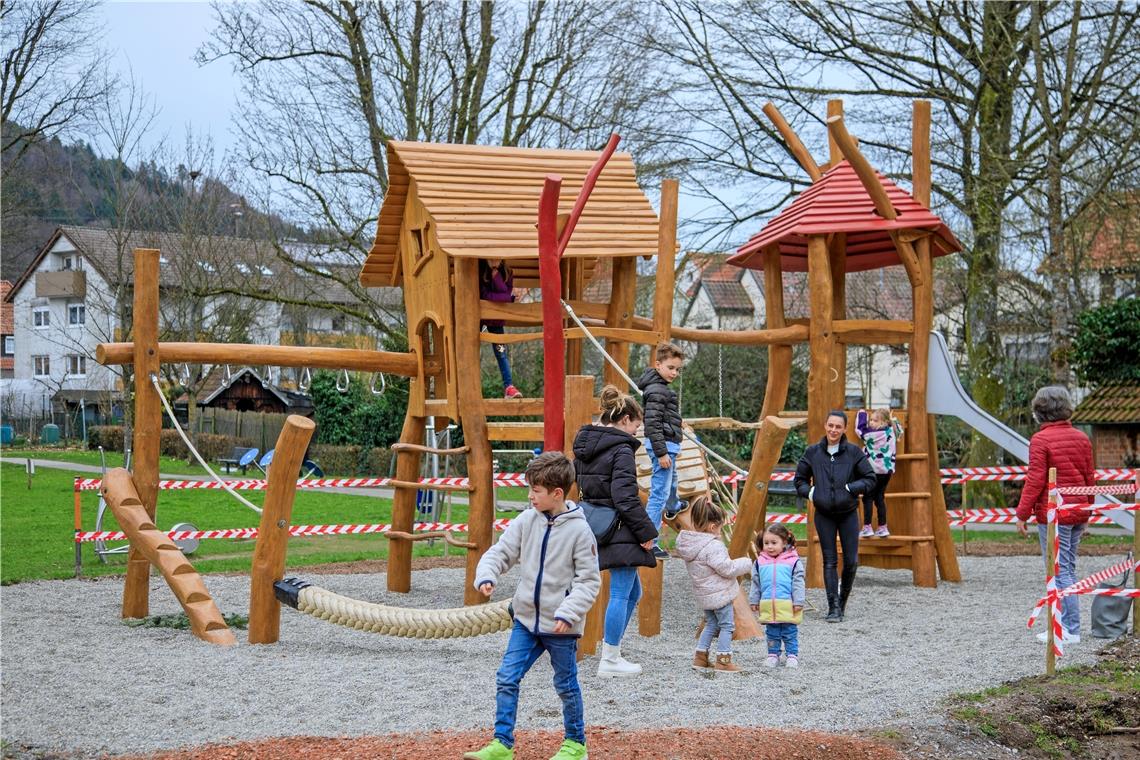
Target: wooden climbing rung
(913, 455)
(515, 431)
(428, 486)
(429, 450)
(908, 495)
(512, 407)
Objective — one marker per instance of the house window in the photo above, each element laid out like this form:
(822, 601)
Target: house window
(9, 348)
(41, 366)
(71, 261)
(337, 323)
(76, 314)
(41, 317)
(898, 398)
(76, 365)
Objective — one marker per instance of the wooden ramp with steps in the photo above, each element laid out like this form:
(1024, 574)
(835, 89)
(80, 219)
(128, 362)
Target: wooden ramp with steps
(206, 621)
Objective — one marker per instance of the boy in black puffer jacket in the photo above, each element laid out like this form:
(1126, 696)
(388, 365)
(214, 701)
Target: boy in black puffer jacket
(662, 432)
(607, 477)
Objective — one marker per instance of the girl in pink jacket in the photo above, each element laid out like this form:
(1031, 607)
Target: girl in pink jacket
(715, 583)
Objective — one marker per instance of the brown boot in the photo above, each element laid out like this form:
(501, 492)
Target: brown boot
(701, 661)
(724, 664)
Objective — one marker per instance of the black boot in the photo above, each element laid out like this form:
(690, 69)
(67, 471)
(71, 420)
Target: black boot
(834, 615)
(845, 587)
(846, 592)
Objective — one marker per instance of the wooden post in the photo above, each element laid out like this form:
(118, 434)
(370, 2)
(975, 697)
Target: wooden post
(404, 504)
(754, 501)
(553, 340)
(273, 532)
(595, 627)
(147, 422)
(834, 153)
(666, 259)
(78, 527)
(819, 377)
(948, 568)
(779, 356)
(619, 313)
(795, 145)
(1050, 559)
(481, 512)
(837, 260)
(572, 284)
(649, 608)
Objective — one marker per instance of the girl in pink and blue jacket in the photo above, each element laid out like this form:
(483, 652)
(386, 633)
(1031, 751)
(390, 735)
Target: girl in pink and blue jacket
(777, 593)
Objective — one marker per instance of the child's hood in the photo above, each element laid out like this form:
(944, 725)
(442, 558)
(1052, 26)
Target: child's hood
(690, 543)
(593, 440)
(650, 377)
(573, 512)
(788, 555)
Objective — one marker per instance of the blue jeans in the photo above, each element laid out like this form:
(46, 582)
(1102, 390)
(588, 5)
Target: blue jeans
(787, 634)
(523, 650)
(719, 623)
(625, 592)
(1070, 536)
(663, 486)
(500, 352)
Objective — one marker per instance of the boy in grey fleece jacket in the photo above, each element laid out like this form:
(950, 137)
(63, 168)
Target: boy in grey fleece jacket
(558, 556)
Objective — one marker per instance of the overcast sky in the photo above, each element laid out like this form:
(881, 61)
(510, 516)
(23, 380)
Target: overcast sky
(157, 41)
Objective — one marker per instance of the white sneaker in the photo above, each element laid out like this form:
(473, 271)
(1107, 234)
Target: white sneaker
(882, 532)
(772, 661)
(792, 661)
(866, 532)
(1067, 638)
(613, 665)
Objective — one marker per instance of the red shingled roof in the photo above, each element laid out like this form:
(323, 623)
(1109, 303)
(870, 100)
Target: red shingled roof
(839, 203)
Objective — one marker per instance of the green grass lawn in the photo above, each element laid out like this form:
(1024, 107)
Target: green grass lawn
(36, 527)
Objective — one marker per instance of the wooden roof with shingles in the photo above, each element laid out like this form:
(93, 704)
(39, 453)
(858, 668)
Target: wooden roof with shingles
(838, 202)
(1110, 404)
(483, 201)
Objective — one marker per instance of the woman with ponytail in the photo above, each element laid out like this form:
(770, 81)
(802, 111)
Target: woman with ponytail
(607, 476)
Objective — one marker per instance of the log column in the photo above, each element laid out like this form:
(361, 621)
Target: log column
(619, 313)
(147, 422)
(822, 343)
(404, 503)
(481, 512)
(666, 260)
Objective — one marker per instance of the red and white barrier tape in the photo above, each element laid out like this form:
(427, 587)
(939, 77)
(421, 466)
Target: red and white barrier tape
(1086, 586)
(295, 530)
(1113, 488)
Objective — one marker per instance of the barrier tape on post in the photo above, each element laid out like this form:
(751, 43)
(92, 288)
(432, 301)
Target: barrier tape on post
(295, 530)
(1086, 586)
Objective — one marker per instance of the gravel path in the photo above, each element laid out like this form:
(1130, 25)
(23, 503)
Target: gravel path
(75, 678)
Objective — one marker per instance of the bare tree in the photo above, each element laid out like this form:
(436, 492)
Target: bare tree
(974, 60)
(54, 70)
(327, 85)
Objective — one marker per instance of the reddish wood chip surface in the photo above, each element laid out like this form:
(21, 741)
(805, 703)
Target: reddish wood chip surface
(713, 743)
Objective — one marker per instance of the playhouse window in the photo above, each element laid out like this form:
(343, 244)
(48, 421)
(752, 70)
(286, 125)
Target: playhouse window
(421, 249)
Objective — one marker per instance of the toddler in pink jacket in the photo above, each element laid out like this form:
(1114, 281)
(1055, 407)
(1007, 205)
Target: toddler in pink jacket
(715, 583)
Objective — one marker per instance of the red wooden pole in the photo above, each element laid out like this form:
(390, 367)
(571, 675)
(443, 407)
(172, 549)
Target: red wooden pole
(553, 341)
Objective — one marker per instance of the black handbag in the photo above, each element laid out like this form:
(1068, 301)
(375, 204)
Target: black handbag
(604, 521)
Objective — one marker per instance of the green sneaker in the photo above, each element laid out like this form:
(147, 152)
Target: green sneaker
(496, 750)
(571, 750)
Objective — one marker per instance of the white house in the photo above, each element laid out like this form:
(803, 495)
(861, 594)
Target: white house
(77, 293)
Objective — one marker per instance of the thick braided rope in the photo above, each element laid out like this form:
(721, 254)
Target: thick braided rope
(457, 622)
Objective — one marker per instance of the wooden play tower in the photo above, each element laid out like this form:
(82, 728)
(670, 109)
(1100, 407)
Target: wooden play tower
(852, 219)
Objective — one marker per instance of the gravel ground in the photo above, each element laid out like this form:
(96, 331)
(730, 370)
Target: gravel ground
(76, 679)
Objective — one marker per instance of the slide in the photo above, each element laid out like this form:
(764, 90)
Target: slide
(945, 395)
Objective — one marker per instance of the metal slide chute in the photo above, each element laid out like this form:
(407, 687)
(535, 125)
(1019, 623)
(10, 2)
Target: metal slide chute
(945, 395)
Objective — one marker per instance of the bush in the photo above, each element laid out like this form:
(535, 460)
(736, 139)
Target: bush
(110, 437)
(209, 445)
(1104, 349)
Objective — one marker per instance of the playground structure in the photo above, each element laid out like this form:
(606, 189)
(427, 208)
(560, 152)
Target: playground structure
(450, 205)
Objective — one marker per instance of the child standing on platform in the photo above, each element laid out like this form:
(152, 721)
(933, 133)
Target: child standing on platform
(777, 593)
(497, 283)
(555, 547)
(663, 434)
(880, 436)
(715, 583)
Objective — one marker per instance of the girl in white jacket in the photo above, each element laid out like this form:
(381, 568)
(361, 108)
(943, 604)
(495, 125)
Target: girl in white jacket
(715, 583)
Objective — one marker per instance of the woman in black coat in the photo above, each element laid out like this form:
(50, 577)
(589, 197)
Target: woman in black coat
(607, 476)
(831, 475)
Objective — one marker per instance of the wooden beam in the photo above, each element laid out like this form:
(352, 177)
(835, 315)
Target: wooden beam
(616, 334)
(776, 336)
(837, 259)
(754, 501)
(268, 565)
(473, 418)
(404, 503)
(531, 313)
(920, 152)
(819, 376)
(792, 140)
(242, 354)
(873, 331)
(619, 317)
(147, 421)
(665, 281)
(837, 131)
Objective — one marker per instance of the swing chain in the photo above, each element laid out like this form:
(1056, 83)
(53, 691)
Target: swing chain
(372, 384)
(305, 380)
(343, 381)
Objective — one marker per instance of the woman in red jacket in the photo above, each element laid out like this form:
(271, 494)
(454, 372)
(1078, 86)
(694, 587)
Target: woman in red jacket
(1058, 444)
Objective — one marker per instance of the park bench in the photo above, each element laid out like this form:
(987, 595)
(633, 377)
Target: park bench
(241, 456)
